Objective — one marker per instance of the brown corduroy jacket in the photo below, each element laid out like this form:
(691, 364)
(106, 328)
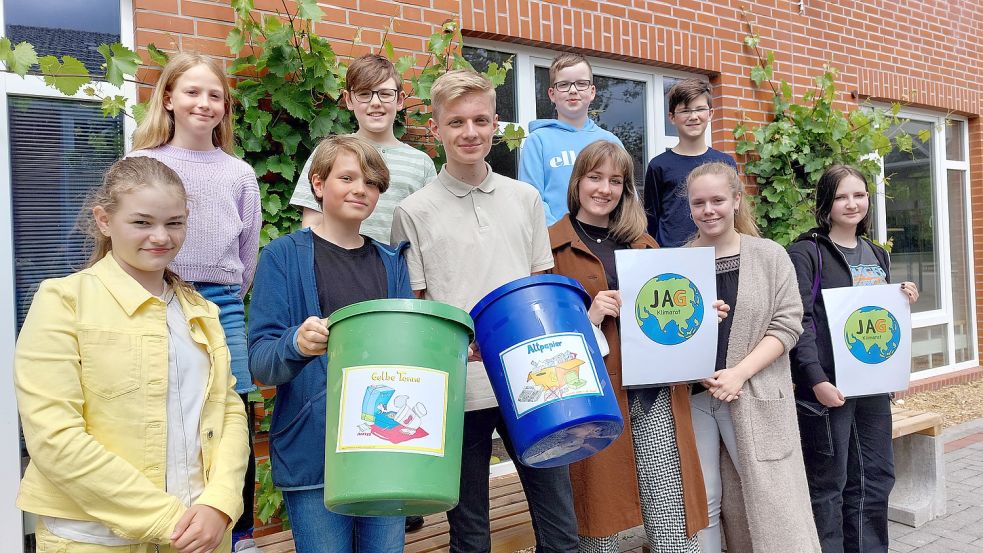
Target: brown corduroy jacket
(605, 486)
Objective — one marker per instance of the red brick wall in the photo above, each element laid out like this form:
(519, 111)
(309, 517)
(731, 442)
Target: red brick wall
(927, 53)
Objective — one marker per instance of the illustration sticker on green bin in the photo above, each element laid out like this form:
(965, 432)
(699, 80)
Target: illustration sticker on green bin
(395, 407)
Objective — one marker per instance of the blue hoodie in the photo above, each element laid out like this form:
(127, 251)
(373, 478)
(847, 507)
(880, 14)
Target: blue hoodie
(547, 159)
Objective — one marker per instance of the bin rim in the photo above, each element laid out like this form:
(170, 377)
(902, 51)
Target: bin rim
(405, 305)
(526, 282)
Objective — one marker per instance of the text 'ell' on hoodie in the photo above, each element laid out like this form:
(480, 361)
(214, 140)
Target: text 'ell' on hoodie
(547, 159)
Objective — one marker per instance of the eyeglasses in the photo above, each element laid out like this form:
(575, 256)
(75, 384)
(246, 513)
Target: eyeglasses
(699, 112)
(565, 86)
(386, 95)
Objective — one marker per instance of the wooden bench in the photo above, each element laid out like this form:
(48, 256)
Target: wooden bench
(511, 526)
(919, 467)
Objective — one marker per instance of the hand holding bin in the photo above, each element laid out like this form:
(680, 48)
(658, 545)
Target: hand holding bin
(395, 407)
(546, 368)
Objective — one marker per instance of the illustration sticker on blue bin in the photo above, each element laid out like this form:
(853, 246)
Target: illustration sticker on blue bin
(545, 365)
(549, 368)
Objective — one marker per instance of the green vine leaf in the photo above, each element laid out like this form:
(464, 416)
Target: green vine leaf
(21, 58)
(235, 40)
(308, 9)
(157, 55)
(67, 76)
(113, 105)
(120, 62)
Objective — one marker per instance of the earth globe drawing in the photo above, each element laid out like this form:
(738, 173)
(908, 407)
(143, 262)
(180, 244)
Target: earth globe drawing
(669, 309)
(872, 334)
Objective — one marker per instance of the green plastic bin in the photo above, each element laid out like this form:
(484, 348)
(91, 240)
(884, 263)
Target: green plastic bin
(395, 407)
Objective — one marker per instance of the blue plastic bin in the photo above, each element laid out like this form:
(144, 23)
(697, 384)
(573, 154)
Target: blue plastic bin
(546, 369)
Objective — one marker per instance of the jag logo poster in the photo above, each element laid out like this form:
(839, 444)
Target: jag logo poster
(870, 328)
(668, 329)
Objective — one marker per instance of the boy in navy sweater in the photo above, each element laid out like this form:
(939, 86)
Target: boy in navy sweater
(690, 110)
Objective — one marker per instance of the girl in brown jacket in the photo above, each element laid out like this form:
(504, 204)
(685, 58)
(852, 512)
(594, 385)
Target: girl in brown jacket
(652, 473)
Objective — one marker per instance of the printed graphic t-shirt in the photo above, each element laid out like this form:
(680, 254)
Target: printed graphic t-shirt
(863, 263)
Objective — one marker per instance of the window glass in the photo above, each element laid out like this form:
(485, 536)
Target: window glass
(962, 323)
(911, 214)
(64, 27)
(59, 150)
(954, 132)
(668, 83)
(929, 347)
(619, 107)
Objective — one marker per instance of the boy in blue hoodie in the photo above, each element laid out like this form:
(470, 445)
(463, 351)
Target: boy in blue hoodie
(552, 146)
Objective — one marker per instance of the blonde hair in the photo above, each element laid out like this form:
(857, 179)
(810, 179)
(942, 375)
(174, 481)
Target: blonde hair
(373, 167)
(565, 60)
(744, 222)
(457, 83)
(627, 221)
(157, 127)
(124, 177)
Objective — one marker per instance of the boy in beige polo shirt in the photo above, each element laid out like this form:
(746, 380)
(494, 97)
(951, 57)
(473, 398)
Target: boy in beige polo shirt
(471, 231)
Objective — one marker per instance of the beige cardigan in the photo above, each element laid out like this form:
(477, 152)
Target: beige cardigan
(775, 515)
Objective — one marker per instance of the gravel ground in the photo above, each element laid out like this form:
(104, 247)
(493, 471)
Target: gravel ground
(957, 403)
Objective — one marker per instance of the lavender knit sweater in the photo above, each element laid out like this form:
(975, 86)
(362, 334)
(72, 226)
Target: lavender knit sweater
(225, 218)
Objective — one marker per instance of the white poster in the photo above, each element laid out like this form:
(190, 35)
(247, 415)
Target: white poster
(668, 323)
(870, 327)
(549, 368)
(393, 408)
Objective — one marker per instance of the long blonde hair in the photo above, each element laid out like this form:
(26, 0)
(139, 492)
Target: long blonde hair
(157, 127)
(124, 177)
(627, 221)
(744, 222)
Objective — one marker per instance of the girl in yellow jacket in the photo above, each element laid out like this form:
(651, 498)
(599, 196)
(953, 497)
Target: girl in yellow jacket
(138, 441)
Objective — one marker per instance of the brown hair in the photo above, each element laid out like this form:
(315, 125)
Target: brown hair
(687, 90)
(371, 70)
(457, 83)
(373, 167)
(826, 195)
(627, 220)
(744, 222)
(565, 60)
(124, 177)
(157, 127)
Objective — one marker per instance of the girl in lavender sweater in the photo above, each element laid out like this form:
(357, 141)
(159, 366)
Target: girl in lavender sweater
(188, 128)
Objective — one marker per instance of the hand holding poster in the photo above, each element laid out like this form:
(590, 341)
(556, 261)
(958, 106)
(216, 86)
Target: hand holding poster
(870, 327)
(668, 324)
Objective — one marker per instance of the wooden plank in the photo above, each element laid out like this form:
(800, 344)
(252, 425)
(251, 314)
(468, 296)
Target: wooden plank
(271, 539)
(917, 423)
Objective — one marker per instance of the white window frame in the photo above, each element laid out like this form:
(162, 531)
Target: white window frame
(940, 168)
(527, 58)
(11, 518)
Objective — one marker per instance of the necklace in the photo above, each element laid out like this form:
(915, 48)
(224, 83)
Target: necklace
(587, 234)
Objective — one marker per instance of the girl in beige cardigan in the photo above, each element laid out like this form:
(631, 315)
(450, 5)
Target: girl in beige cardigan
(747, 403)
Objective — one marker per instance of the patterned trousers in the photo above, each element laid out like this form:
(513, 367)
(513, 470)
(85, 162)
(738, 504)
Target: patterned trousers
(660, 483)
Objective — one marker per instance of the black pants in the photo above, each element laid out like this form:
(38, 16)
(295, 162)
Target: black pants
(849, 463)
(245, 522)
(548, 493)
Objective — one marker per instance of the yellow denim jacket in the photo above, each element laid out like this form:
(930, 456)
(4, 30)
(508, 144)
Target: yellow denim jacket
(90, 371)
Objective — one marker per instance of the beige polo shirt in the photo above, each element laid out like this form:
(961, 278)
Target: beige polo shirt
(465, 241)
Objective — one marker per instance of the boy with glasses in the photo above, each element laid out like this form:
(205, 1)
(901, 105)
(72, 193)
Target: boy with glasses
(374, 93)
(552, 146)
(690, 109)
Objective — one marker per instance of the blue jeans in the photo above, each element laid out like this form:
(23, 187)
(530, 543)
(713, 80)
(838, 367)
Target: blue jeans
(849, 463)
(318, 530)
(548, 493)
(712, 424)
(232, 315)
